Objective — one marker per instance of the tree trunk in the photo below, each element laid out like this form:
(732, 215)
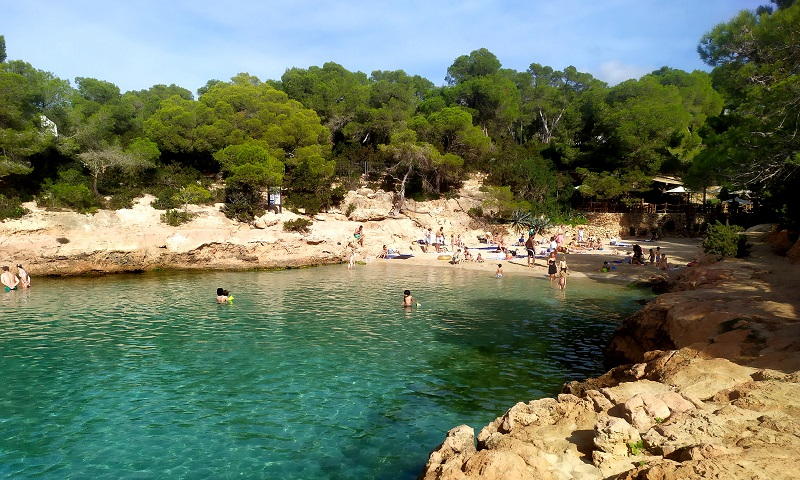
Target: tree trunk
(401, 195)
(94, 185)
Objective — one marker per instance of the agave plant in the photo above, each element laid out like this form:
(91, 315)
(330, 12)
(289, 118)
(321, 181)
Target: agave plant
(539, 224)
(521, 221)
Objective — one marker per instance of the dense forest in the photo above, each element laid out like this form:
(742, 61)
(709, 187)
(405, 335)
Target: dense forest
(541, 136)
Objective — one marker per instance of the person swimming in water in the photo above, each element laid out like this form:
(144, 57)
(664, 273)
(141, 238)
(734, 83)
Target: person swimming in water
(222, 296)
(408, 300)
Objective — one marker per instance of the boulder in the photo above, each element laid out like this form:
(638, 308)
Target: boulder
(613, 434)
(445, 462)
(645, 410)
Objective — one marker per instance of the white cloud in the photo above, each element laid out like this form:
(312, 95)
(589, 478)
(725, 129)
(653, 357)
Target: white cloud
(614, 71)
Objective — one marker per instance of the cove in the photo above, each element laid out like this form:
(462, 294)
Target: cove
(311, 373)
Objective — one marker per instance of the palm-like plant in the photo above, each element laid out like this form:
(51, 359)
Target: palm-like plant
(521, 221)
(539, 224)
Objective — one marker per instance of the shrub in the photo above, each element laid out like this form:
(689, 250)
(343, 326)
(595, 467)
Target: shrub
(62, 240)
(350, 209)
(192, 193)
(77, 197)
(299, 225)
(165, 198)
(123, 199)
(475, 212)
(722, 240)
(243, 201)
(636, 448)
(175, 218)
(11, 208)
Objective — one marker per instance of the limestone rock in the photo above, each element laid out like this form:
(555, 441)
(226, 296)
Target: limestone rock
(645, 410)
(613, 434)
(445, 462)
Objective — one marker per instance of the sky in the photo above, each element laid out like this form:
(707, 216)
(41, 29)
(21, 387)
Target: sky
(137, 44)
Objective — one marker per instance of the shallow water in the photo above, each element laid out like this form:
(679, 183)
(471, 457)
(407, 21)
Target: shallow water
(312, 373)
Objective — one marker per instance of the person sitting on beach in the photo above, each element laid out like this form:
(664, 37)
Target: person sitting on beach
(606, 267)
(24, 278)
(553, 245)
(638, 255)
(479, 258)
(467, 255)
(456, 258)
(9, 280)
(499, 272)
(508, 254)
(222, 296)
(408, 300)
(530, 246)
(658, 255)
(663, 265)
(384, 253)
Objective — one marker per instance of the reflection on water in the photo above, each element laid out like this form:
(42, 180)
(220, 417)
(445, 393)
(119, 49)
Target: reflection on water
(313, 373)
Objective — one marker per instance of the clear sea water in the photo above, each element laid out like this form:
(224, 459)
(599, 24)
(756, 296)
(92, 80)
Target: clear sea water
(310, 374)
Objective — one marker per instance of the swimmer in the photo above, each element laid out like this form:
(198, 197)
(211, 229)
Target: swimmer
(222, 296)
(408, 300)
(499, 272)
(24, 278)
(9, 280)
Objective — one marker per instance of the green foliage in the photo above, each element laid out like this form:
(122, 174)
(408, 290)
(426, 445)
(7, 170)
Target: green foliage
(67, 195)
(299, 225)
(722, 240)
(175, 218)
(475, 212)
(243, 201)
(192, 193)
(2, 48)
(637, 448)
(350, 209)
(754, 144)
(11, 208)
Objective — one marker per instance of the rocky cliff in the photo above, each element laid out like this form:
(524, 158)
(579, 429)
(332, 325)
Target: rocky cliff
(709, 388)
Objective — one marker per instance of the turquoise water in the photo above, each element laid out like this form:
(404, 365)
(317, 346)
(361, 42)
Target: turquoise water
(312, 373)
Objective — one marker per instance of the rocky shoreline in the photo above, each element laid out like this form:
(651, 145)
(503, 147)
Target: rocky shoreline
(707, 387)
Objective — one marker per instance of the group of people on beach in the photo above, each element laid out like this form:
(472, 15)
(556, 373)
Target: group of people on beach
(12, 281)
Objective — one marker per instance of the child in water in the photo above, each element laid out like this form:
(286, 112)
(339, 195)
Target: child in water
(499, 272)
(223, 296)
(408, 300)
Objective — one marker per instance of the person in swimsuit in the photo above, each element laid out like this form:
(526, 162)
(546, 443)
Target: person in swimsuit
(479, 258)
(24, 278)
(408, 300)
(359, 235)
(530, 246)
(384, 253)
(551, 267)
(8, 279)
(499, 272)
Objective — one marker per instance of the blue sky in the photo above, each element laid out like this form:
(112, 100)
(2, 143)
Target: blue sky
(136, 44)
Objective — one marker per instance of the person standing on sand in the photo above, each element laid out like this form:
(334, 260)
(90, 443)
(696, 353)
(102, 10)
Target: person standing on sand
(530, 246)
(551, 267)
(8, 279)
(24, 278)
(580, 234)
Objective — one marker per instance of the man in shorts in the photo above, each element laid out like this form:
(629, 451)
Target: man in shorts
(530, 245)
